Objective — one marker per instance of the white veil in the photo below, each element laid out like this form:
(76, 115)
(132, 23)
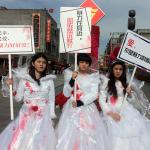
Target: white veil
(17, 73)
(138, 98)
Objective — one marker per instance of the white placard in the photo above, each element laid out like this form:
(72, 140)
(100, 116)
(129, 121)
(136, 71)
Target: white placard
(16, 39)
(135, 50)
(75, 30)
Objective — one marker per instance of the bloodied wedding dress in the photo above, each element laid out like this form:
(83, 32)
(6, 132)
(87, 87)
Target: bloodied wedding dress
(32, 129)
(81, 128)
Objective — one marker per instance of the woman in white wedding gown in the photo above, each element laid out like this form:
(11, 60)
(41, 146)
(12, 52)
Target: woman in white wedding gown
(128, 129)
(32, 129)
(80, 126)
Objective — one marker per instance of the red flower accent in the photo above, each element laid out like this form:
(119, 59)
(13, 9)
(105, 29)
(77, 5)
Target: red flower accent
(34, 108)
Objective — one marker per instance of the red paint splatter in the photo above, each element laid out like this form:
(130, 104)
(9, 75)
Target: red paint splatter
(21, 126)
(79, 92)
(34, 108)
(113, 100)
(27, 84)
(76, 145)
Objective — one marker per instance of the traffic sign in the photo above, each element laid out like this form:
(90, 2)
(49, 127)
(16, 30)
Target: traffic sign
(97, 13)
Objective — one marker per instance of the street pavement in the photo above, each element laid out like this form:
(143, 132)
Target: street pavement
(5, 110)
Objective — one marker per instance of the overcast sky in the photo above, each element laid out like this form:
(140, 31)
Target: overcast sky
(116, 13)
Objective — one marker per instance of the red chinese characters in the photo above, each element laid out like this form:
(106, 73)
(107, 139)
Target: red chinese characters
(130, 43)
(69, 32)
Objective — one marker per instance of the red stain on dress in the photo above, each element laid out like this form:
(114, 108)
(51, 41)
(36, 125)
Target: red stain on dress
(17, 131)
(27, 84)
(113, 100)
(76, 145)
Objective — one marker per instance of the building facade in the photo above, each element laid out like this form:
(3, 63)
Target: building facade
(113, 48)
(45, 31)
(44, 27)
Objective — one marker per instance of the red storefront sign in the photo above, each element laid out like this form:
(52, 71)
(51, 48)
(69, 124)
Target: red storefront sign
(48, 30)
(97, 13)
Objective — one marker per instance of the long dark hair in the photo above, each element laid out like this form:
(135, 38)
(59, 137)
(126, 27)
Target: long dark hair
(32, 68)
(111, 83)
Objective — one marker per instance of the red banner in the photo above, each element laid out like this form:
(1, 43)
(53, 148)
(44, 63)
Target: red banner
(48, 33)
(95, 34)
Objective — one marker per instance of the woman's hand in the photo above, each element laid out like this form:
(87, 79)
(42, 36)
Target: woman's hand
(129, 90)
(114, 116)
(74, 74)
(9, 81)
(74, 104)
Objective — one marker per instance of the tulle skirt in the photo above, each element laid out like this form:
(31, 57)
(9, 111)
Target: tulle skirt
(29, 131)
(132, 132)
(81, 128)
